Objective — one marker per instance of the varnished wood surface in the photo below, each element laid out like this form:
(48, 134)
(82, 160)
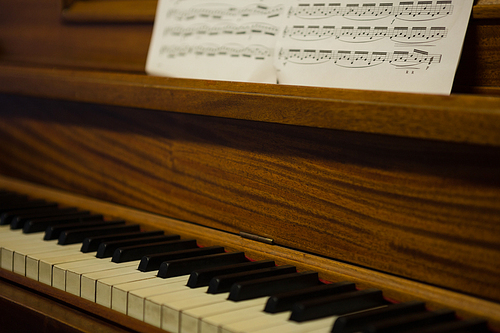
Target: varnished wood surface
(394, 288)
(423, 210)
(457, 118)
(135, 11)
(486, 9)
(36, 32)
(33, 32)
(144, 10)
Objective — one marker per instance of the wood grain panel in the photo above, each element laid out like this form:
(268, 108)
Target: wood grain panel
(31, 32)
(116, 11)
(480, 61)
(424, 210)
(486, 9)
(456, 118)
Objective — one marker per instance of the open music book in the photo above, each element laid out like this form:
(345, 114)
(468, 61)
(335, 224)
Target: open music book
(403, 46)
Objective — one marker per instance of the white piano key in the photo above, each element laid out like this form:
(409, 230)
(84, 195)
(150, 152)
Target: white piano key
(120, 292)
(8, 234)
(136, 298)
(45, 264)
(74, 275)
(256, 323)
(192, 318)
(89, 281)
(60, 271)
(152, 305)
(33, 261)
(11, 244)
(171, 311)
(104, 286)
(46, 247)
(213, 324)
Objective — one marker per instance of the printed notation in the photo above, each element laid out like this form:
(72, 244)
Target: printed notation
(359, 59)
(365, 34)
(222, 30)
(405, 10)
(224, 11)
(257, 52)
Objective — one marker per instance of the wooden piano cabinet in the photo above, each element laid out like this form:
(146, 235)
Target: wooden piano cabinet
(389, 190)
(394, 287)
(423, 209)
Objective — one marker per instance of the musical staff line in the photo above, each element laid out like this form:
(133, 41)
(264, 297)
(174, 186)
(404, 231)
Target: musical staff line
(224, 11)
(225, 30)
(359, 59)
(233, 50)
(405, 10)
(365, 34)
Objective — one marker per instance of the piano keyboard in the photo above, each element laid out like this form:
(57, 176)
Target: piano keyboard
(175, 285)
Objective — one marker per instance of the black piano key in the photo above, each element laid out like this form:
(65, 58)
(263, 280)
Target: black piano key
(136, 252)
(54, 231)
(8, 217)
(19, 220)
(353, 322)
(268, 286)
(284, 301)
(202, 277)
(7, 198)
(153, 262)
(423, 320)
(107, 249)
(27, 205)
(186, 266)
(91, 244)
(23, 204)
(41, 224)
(460, 326)
(223, 283)
(132, 247)
(337, 305)
(78, 235)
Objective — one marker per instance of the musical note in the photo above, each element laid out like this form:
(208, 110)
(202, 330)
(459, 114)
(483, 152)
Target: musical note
(359, 59)
(257, 52)
(219, 30)
(405, 10)
(224, 11)
(365, 34)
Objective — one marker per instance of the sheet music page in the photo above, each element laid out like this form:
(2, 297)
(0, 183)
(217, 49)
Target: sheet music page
(217, 40)
(403, 46)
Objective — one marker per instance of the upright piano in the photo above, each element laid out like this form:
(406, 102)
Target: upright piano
(394, 191)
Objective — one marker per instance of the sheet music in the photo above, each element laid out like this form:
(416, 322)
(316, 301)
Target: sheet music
(220, 40)
(404, 46)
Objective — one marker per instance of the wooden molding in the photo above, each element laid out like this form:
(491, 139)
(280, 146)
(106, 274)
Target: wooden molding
(457, 118)
(143, 11)
(119, 11)
(486, 9)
